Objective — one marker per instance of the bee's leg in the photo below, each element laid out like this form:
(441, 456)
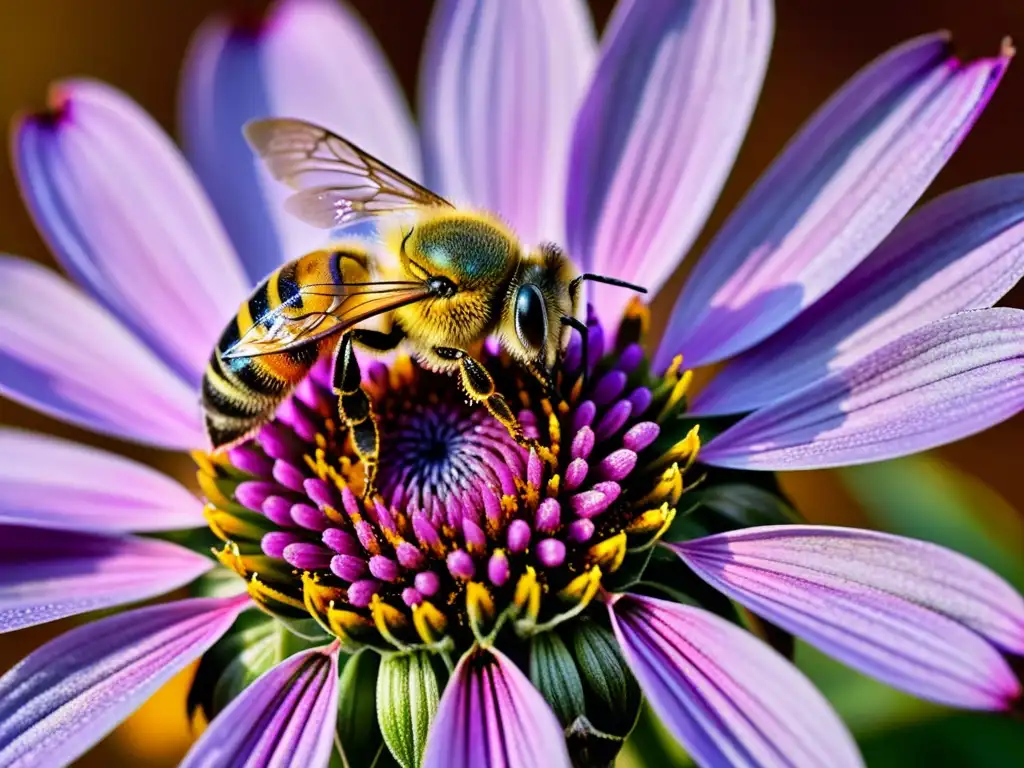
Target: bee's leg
(353, 404)
(479, 385)
(546, 380)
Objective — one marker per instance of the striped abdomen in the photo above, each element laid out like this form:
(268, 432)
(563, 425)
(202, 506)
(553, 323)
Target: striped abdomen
(242, 393)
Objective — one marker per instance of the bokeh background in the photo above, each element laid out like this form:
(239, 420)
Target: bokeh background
(967, 496)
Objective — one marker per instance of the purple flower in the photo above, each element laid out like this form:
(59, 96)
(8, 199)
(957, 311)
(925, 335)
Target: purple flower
(492, 605)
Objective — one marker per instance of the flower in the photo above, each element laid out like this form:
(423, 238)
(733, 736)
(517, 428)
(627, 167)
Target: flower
(492, 601)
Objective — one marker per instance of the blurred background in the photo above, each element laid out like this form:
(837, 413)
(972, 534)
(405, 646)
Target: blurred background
(967, 496)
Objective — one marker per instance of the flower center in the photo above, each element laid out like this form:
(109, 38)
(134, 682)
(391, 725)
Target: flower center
(468, 530)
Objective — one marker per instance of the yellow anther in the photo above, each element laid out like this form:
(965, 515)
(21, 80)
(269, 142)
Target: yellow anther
(387, 618)
(609, 553)
(264, 594)
(678, 392)
(649, 521)
(583, 588)
(479, 607)
(430, 623)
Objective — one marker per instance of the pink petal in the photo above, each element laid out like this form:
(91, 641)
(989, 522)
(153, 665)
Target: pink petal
(68, 694)
(309, 59)
(81, 365)
(47, 575)
(58, 484)
(500, 85)
(940, 383)
(727, 697)
(491, 715)
(915, 615)
(128, 220)
(285, 718)
(838, 189)
(655, 139)
(961, 251)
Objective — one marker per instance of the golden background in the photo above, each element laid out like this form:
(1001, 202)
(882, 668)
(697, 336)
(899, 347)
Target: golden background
(138, 46)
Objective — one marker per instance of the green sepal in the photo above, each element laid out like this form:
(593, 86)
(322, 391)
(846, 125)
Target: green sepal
(590, 748)
(613, 695)
(358, 736)
(407, 697)
(553, 672)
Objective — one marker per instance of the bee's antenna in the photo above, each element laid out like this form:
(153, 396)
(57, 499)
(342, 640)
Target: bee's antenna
(574, 284)
(580, 326)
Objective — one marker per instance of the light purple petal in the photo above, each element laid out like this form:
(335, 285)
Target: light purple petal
(654, 141)
(491, 715)
(961, 251)
(915, 615)
(81, 365)
(59, 484)
(500, 84)
(950, 379)
(309, 59)
(285, 718)
(128, 220)
(47, 575)
(67, 695)
(837, 190)
(727, 697)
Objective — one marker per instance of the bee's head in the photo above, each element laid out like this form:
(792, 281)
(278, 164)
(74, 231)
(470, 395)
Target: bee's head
(536, 301)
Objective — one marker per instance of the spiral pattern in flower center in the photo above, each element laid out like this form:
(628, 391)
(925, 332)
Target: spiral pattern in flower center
(468, 528)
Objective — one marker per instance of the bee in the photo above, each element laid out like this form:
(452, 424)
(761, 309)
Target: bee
(451, 279)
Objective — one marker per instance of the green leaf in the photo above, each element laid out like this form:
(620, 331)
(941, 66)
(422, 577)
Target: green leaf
(744, 505)
(255, 643)
(245, 652)
(926, 498)
(359, 737)
(407, 696)
(975, 739)
(554, 674)
(613, 695)
(217, 582)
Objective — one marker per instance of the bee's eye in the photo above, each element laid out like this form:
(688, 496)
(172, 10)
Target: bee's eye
(531, 317)
(441, 286)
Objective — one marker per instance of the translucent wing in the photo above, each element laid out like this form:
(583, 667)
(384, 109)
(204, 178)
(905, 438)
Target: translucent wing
(320, 310)
(337, 182)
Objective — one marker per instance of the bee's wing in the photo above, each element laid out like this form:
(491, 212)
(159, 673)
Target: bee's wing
(287, 326)
(337, 182)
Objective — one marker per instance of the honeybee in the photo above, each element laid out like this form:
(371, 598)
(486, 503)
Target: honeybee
(455, 278)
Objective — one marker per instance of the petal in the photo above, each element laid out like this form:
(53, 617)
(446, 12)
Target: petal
(940, 383)
(309, 59)
(67, 695)
(491, 715)
(285, 718)
(727, 697)
(63, 354)
(962, 251)
(128, 220)
(47, 575)
(915, 615)
(655, 139)
(501, 82)
(59, 484)
(838, 189)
